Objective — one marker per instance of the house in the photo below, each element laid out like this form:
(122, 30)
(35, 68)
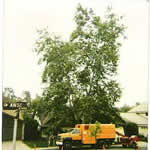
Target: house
(8, 125)
(138, 115)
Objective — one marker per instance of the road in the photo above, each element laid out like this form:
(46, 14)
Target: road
(21, 146)
(142, 146)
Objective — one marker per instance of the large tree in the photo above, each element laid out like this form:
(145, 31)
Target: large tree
(79, 74)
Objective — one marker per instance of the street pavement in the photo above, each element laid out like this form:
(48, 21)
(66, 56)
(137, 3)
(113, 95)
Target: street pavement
(21, 146)
(142, 146)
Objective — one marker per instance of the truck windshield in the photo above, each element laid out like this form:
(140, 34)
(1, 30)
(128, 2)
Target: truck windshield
(75, 131)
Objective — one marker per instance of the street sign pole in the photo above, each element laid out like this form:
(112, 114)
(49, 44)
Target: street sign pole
(15, 129)
(15, 133)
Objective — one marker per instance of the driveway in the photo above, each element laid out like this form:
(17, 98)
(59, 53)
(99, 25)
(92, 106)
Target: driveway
(19, 146)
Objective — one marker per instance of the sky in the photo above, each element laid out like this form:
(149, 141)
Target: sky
(22, 18)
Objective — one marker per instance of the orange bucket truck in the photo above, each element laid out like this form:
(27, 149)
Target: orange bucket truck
(81, 135)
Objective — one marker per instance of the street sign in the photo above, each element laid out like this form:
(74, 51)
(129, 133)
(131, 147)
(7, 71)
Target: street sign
(14, 105)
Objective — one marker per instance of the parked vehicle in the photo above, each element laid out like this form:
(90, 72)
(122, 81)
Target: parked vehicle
(128, 141)
(81, 135)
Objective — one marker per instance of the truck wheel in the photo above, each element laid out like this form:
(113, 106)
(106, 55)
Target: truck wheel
(67, 145)
(92, 146)
(99, 145)
(106, 144)
(124, 146)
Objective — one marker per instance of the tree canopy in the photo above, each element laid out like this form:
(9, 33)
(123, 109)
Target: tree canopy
(26, 96)
(8, 94)
(79, 74)
(125, 108)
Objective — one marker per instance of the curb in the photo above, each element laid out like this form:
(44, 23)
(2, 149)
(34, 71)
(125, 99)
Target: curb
(47, 148)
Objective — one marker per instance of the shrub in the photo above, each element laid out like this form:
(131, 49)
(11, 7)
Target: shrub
(142, 137)
(30, 129)
(131, 129)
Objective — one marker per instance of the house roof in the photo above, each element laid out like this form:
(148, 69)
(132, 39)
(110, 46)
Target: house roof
(142, 108)
(135, 118)
(12, 113)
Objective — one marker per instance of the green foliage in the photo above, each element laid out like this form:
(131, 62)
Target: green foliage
(26, 96)
(31, 125)
(95, 129)
(79, 74)
(8, 94)
(131, 129)
(125, 108)
(142, 138)
(38, 106)
(30, 130)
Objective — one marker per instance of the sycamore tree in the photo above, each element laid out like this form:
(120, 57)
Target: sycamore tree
(79, 74)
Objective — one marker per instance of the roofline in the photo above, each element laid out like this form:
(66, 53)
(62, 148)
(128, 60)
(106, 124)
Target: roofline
(137, 112)
(12, 116)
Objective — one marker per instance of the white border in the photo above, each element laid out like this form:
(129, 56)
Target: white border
(148, 72)
(1, 62)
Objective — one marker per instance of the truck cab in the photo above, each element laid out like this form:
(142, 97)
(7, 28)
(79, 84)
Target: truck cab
(74, 136)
